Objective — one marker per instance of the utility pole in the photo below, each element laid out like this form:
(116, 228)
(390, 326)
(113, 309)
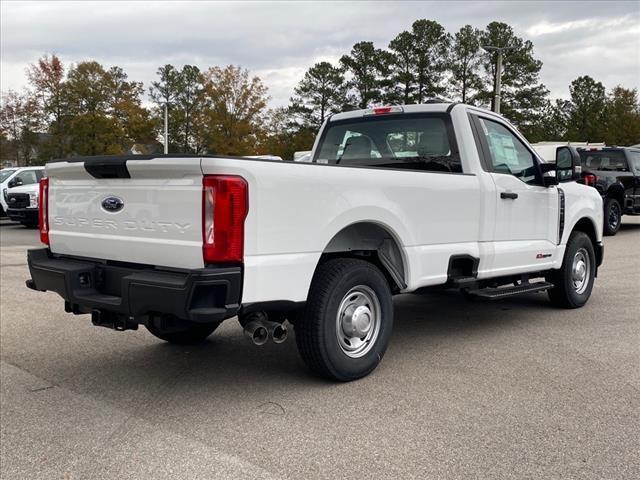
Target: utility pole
(498, 79)
(166, 128)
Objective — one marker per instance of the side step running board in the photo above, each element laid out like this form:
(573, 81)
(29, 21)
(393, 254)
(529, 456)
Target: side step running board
(504, 292)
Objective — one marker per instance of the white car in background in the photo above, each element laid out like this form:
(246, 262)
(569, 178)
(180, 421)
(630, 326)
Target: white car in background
(265, 157)
(302, 156)
(21, 196)
(15, 177)
(5, 175)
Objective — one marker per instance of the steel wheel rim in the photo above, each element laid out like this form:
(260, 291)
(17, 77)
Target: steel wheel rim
(358, 321)
(614, 216)
(580, 271)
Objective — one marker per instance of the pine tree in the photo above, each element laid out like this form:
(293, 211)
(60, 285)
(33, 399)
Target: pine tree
(430, 57)
(321, 92)
(368, 69)
(523, 97)
(587, 115)
(464, 62)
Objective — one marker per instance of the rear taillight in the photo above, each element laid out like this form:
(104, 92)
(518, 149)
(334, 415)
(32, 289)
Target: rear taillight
(225, 203)
(590, 179)
(43, 211)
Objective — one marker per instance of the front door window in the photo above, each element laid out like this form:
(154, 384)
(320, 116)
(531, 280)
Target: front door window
(508, 154)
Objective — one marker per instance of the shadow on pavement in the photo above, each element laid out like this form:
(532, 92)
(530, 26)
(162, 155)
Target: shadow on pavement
(629, 227)
(228, 361)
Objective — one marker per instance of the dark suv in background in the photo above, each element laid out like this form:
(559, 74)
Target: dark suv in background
(615, 173)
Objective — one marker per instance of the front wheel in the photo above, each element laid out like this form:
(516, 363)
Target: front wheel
(573, 282)
(612, 216)
(344, 330)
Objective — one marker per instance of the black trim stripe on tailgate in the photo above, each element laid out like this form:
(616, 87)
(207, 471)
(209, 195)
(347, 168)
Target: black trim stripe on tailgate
(115, 166)
(100, 167)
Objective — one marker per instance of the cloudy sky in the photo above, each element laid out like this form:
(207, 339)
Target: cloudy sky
(279, 40)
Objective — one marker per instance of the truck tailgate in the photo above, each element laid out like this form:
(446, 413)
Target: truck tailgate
(151, 216)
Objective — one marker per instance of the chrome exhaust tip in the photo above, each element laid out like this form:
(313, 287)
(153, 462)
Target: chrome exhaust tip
(278, 332)
(257, 332)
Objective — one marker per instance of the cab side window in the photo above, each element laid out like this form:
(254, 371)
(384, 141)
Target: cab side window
(28, 177)
(507, 153)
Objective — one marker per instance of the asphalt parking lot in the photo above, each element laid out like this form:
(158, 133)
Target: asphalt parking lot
(512, 389)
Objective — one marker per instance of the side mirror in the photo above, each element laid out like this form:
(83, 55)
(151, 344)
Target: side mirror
(15, 182)
(568, 166)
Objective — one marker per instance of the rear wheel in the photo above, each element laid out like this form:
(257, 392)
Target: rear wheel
(612, 216)
(573, 282)
(345, 328)
(182, 333)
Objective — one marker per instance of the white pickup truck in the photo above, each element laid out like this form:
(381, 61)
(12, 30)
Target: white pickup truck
(395, 200)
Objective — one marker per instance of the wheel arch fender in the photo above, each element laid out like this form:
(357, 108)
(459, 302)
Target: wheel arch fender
(378, 238)
(616, 191)
(588, 226)
(583, 204)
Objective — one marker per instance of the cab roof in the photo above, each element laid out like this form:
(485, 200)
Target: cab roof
(390, 110)
(434, 106)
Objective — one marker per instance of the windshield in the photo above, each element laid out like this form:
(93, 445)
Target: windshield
(6, 173)
(604, 160)
(419, 142)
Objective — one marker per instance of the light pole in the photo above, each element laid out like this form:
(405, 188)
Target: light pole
(166, 128)
(498, 84)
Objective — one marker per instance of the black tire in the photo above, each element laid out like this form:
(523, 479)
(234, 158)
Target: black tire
(565, 294)
(191, 334)
(612, 216)
(317, 328)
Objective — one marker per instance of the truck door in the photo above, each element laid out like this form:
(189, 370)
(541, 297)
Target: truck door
(526, 220)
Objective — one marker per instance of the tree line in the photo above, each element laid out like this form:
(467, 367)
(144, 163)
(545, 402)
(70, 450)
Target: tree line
(91, 109)
(428, 62)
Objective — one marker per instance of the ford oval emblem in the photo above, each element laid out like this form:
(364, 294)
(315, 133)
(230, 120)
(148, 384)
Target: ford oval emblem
(112, 204)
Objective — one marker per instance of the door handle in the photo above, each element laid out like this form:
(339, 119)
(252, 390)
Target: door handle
(510, 195)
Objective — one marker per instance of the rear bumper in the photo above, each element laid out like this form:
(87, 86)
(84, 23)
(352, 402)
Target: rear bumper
(29, 215)
(132, 294)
